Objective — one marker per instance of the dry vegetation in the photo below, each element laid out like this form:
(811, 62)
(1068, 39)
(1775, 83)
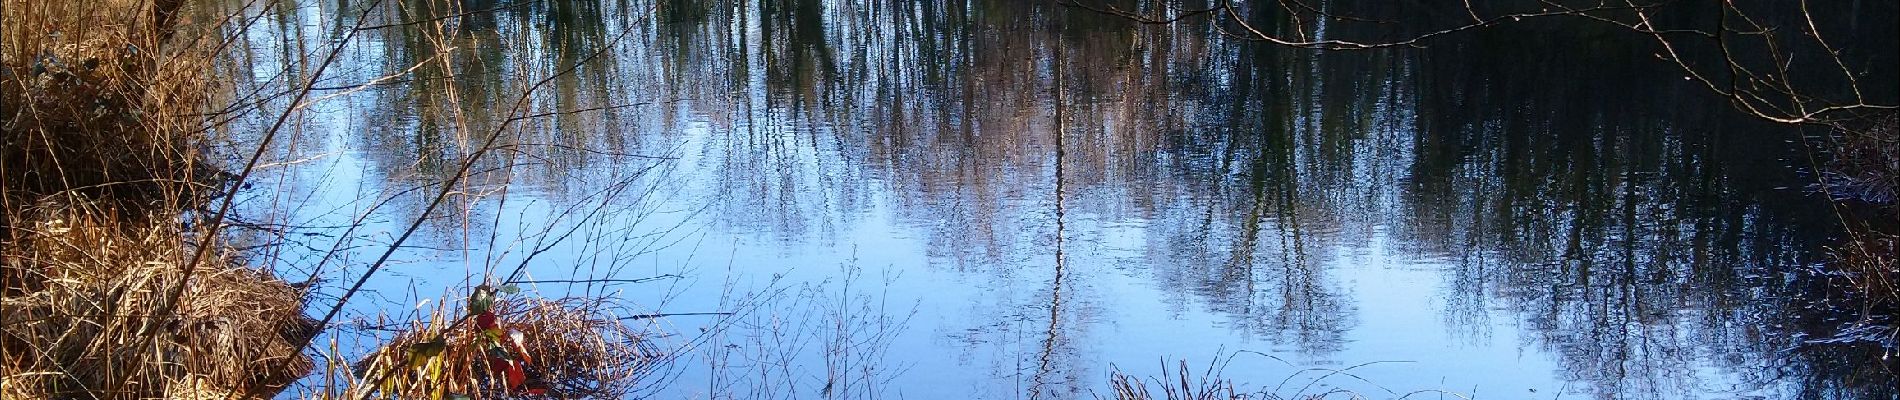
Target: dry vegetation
(1181, 382)
(568, 349)
(86, 314)
(101, 104)
(1866, 160)
(1175, 383)
(105, 108)
(1870, 265)
(1862, 172)
(100, 99)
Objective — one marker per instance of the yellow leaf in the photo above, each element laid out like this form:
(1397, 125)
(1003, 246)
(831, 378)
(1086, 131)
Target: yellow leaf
(423, 352)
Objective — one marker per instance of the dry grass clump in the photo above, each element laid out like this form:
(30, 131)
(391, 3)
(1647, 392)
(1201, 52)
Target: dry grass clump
(1866, 167)
(1866, 162)
(1870, 262)
(99, 97)
(99, 104)
(99, 101)
(1175, 384)
(85, 313)
(576, 349)
(1181, 382)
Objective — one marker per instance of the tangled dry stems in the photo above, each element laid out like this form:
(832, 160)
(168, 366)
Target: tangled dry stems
(1870, 262)
(83, 313)
(1180, 382)
(1865, 169)
(1866, 160)
(578, 348)
(98, 110)
(102, 105)
(96, 100)
(1174, 384)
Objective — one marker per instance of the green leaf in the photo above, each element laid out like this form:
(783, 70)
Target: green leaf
(510, 289)
(480, 299)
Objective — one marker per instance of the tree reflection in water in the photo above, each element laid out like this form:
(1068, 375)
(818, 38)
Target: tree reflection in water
(1630, 226)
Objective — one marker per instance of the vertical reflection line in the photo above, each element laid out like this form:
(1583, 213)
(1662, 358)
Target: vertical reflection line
(1045, 363)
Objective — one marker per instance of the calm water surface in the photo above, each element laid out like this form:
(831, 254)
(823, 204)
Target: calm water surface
(998, 200)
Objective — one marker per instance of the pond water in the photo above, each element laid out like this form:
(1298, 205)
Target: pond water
(993, 200)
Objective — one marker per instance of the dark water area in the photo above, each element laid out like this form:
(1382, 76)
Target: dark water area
(1011, 200)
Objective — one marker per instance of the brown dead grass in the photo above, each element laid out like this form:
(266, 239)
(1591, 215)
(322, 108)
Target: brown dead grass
(1866, 161)
(1870, 261)
(1864, 171)
(1176, 383)
(98, 110)
(578, 349)
(82, 313)
(95, 99)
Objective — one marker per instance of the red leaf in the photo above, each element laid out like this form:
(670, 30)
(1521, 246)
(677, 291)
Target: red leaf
(485, 320)
(516, 376)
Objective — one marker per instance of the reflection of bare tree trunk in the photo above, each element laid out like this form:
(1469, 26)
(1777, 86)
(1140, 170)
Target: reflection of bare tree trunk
(1297, 289)
(1045, 363)
(1241, 262)
(1580, 208)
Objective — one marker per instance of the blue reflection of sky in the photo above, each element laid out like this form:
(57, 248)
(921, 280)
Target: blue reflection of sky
(752, 201)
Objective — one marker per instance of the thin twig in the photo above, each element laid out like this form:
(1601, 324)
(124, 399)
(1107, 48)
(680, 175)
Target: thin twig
(637, 280)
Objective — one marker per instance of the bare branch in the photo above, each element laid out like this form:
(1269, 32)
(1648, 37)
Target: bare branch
(1768, 92)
